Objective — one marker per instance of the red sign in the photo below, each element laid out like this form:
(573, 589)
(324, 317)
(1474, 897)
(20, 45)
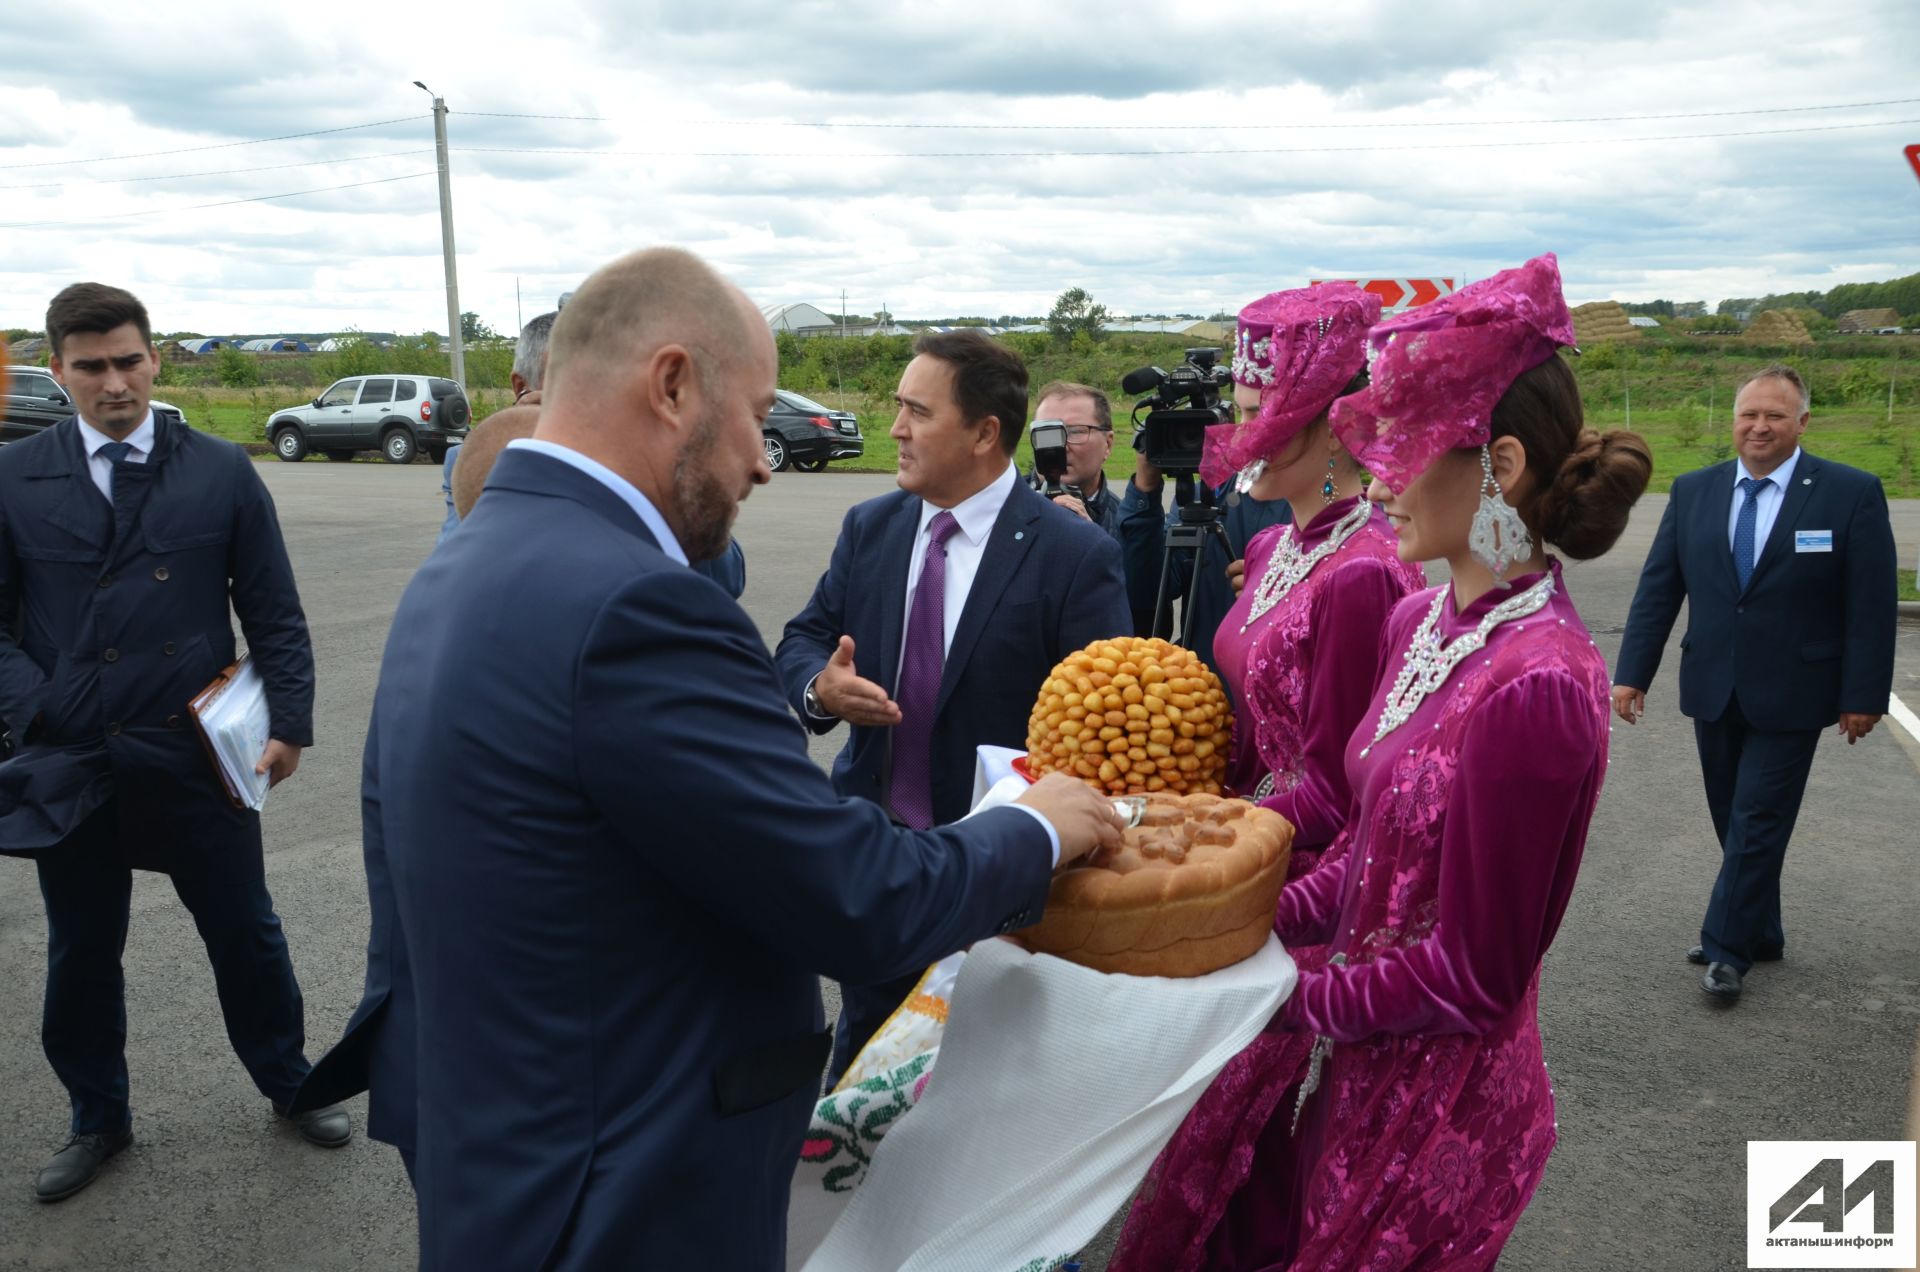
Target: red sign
(1400, 293)
(1913, 157)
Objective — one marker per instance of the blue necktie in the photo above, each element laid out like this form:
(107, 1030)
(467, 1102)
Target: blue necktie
(113, 453)
(1743, 528)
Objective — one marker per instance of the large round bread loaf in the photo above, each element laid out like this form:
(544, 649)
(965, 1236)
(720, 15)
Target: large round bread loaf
(1190, 890)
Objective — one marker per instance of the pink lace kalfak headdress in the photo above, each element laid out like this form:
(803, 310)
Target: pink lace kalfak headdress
(1437, 371)
(1300, 348)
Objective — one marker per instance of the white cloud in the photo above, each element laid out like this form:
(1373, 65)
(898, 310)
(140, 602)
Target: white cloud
(960, 218)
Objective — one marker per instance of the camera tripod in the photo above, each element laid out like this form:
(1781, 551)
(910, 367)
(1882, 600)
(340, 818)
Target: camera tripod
(1198, 524)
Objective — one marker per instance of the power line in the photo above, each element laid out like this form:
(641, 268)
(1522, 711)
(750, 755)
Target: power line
(1414, 123)
(501, 114)
(1108, 154)
(224, 203)
(224, 145)
(217, 172)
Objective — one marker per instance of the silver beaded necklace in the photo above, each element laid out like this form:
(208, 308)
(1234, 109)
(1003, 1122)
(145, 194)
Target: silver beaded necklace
(1289, 565)
(1429, 663)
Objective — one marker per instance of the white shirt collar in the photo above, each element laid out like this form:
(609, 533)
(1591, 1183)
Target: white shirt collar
(978, 511)
(1781, 477)
(628, 492)
(92, 439)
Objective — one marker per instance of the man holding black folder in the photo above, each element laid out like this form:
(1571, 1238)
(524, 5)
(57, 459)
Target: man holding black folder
(123, 542)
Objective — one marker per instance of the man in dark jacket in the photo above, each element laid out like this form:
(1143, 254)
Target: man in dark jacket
(1785, 562)
(1142, 530)
(122, 541)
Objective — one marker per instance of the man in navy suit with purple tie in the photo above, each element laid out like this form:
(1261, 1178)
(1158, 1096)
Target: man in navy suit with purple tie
(1786, 564)
(945, 605)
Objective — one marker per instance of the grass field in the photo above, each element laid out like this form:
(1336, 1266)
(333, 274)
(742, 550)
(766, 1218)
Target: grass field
(1681, 438)
(1908, 592)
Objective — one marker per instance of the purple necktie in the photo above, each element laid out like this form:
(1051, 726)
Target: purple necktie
(923, 660)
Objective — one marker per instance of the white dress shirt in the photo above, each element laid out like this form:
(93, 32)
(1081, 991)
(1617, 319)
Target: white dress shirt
(1767, 501)
(628, 492)
(965, 548)
(101, 470)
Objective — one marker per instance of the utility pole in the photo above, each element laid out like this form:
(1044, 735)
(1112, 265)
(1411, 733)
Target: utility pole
(446, 235)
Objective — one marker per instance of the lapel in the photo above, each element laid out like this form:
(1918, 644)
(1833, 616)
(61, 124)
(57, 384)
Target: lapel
(897, 536)
(1806, 480)
(74, 505)
(1008, 543)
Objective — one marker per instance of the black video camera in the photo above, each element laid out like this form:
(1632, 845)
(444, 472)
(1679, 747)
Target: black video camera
(1184, 403)
(1049, 441)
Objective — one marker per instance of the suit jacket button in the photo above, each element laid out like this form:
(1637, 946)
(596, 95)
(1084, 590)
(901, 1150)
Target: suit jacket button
(113, 728)
(111, 655)
(167, 649)
(161, 573)
(106, 580)
(173, 722)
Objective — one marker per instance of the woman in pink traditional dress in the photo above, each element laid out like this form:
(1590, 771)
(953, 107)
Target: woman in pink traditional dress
(1414, 1134)
(1300, 649)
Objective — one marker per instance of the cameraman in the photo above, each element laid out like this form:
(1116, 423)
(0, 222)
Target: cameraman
(1144, 518)
(1088, 418)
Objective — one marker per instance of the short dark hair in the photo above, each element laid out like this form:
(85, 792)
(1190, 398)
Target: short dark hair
(1102, 409)
(1781, 371)
(988, 379)
(94, 308)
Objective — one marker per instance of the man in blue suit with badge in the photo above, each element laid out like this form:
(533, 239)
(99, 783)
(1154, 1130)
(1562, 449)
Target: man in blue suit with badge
(1786, 563)
(944, 607)
(592, 1018)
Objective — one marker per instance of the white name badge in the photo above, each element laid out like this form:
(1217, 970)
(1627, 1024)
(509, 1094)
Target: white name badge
(1813, 540)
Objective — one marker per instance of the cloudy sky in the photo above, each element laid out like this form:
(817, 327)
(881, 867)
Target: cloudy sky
(945, 159)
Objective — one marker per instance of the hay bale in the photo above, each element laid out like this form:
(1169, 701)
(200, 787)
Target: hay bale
(1777, 326)
(1857, 320)
(1602, 322)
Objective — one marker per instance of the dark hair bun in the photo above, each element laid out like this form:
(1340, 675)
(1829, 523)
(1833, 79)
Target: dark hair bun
(1584, 509)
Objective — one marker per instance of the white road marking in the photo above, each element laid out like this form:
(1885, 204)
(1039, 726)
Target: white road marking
(1903, 716)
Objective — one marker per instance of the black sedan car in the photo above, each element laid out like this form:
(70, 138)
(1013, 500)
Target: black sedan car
(34, 400)
(801, 433)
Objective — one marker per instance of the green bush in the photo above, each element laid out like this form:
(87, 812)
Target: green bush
(236, 369)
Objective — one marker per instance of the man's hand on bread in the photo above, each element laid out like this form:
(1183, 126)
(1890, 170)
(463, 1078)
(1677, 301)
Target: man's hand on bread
(843, 692)
(1083, 817)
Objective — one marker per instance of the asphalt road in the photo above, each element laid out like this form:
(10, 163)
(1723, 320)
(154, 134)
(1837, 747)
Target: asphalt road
(1658, 1089)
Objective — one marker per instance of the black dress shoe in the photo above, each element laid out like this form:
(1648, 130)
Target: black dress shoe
(1699, 955)
(78, 1164)
(1722, 982)
(329, 1127)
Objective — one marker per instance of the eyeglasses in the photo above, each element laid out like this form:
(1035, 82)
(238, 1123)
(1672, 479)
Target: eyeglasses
(1081, 434)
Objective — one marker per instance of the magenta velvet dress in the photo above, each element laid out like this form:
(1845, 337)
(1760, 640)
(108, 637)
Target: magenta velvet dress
(1303, 673)
(1434, 1116)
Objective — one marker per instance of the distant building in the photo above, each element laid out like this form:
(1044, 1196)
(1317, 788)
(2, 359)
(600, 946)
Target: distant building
(801, 319)
(204, 344)
(1643, 320)
(277, 344)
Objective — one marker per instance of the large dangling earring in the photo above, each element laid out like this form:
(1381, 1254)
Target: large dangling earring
(1244, 480)
(1499, 537)
(1326, 487)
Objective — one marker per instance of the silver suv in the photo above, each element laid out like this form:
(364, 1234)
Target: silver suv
(397, 415)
